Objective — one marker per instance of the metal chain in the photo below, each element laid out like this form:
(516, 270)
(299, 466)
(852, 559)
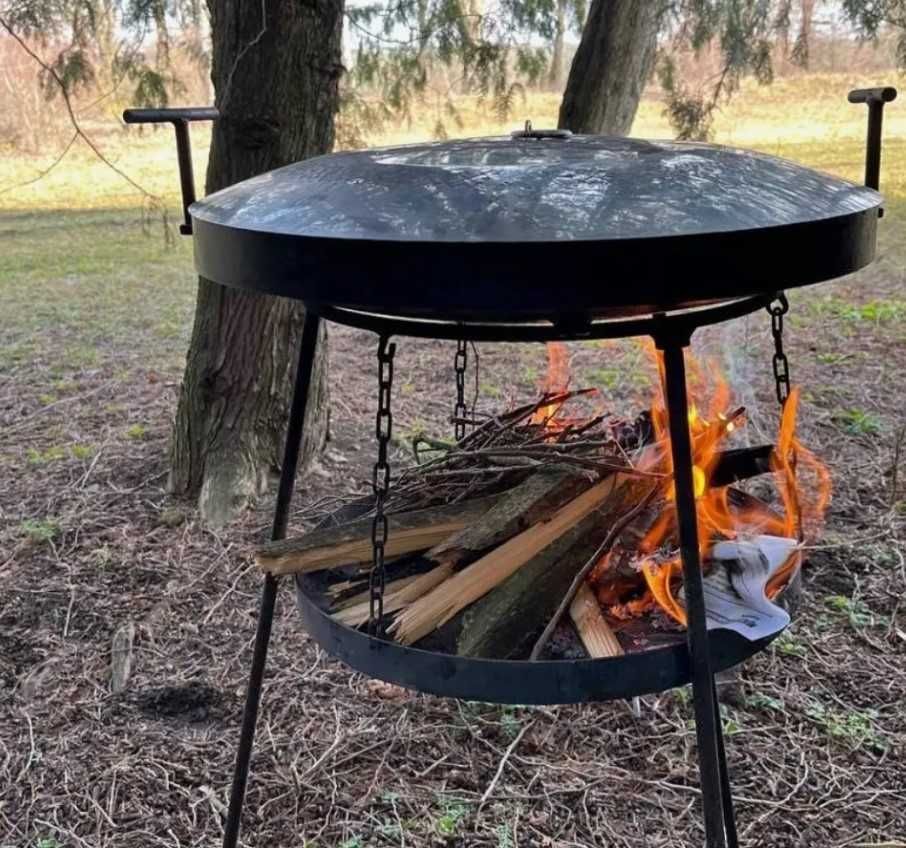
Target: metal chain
(782, 381)
(460, 363)
(781, 364)
(381, 485)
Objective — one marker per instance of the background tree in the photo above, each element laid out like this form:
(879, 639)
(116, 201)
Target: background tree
(276, 84)
(612, 64)
(569, 17)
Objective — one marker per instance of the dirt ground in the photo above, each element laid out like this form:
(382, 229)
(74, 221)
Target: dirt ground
(90, 542)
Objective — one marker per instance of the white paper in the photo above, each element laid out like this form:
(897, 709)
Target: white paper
(735, 588)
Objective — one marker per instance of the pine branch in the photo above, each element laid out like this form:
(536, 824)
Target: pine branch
(79, 133)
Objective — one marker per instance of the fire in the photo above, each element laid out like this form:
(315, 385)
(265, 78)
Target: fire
(802, 482)
(556, 382)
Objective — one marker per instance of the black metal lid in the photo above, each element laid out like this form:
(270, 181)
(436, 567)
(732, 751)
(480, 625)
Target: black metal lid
(653, 224)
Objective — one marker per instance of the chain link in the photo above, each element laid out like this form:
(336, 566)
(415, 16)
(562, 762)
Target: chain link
(782, 381)
(781, 364)
(381, 485)
(460, 363)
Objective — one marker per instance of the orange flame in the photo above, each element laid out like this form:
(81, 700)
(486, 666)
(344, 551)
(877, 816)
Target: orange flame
(718, 518)
(556, 382)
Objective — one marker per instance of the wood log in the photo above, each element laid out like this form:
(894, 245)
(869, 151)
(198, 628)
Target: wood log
(737, 464)
(534, 500)
(477, 579)
(505, 622)
(526, 504)
(467, 586)
(594, 631)
(364, 594)
(350, 543)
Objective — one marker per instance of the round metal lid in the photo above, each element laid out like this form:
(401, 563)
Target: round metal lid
(522, 228)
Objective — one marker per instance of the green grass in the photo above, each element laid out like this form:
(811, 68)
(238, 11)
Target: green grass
(859, 422)
(856, 611)
(86, 286)
(451, 814)
(40, 530)
(854, 728)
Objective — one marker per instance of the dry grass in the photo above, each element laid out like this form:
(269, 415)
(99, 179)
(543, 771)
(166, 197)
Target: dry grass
(95, 321)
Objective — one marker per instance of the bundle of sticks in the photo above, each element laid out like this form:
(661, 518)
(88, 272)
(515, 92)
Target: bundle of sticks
(498, 540)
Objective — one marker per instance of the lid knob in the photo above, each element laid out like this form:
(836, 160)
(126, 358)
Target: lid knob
(528, 132)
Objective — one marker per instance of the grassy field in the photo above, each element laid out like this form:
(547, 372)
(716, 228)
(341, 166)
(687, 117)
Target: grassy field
(96, 307)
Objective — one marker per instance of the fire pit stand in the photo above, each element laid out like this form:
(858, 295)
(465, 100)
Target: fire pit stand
(553, 681)
(412, 241)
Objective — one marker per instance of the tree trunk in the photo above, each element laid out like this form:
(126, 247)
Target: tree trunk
(557, 54)
(276, 86)
(611, 66)
(800, 53)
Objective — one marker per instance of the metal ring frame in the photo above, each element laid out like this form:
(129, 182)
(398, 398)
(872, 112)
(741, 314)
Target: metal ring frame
(678, 324)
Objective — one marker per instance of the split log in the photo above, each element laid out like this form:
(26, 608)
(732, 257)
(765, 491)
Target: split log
(738, 464)
(620, 491)
(350, 543)
(528, 503)
(364, 595)
(594, 631)
(476, 580)
(505, 622)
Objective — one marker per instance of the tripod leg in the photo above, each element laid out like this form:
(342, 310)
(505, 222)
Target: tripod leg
(726, 791)
(707, 727)
(269, 593)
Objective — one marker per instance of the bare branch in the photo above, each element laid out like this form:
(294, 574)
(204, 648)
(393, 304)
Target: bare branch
(153, 199)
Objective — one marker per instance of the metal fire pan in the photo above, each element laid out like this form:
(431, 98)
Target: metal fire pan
(526, 229)
(506, 681)
(512, 681)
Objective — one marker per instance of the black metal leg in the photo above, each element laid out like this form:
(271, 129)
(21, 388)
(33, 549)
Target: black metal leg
(269, 593)
(707, 726)
(726, 791)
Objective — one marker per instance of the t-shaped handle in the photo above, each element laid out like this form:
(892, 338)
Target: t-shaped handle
(875, 98)
(180, 119)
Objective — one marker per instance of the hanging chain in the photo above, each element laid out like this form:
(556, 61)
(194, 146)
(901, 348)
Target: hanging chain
(381, 485)
(460, 363)
(781, 364)
(782, 381)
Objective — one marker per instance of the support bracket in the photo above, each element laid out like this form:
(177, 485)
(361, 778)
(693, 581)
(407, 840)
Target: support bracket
(875, 99)
(180, 118)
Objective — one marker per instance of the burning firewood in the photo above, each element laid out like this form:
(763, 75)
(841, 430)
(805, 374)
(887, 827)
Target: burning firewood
(570, 527)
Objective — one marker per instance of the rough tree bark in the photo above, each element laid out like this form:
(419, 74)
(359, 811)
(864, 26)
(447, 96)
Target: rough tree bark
(276, 86)
(612, 64)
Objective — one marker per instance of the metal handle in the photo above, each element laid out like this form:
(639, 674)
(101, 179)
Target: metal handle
(180, 119)
(874, 98)
(528, 132)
